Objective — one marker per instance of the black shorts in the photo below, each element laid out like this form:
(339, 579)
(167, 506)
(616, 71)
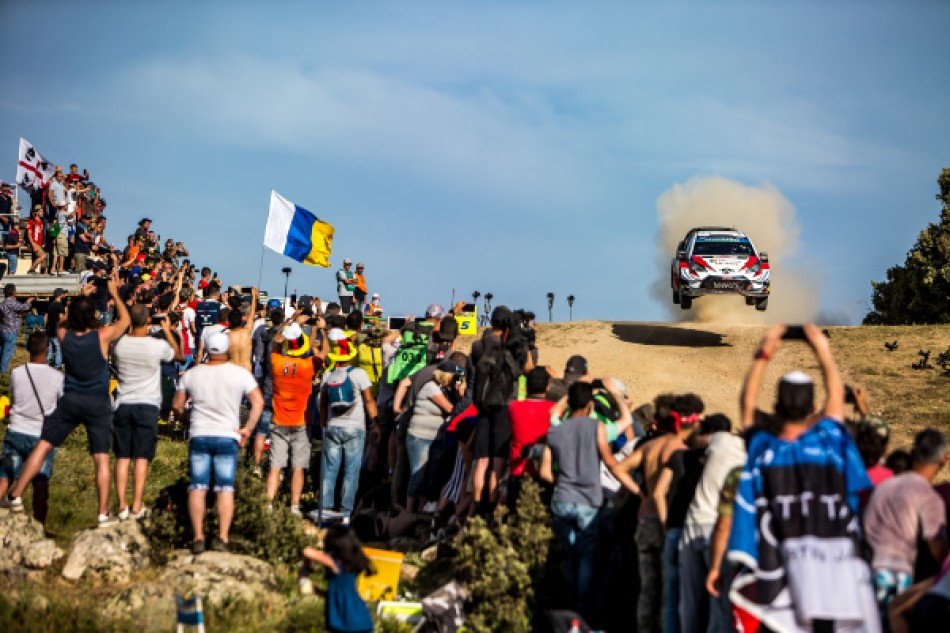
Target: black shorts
(73, 409)
(135, 431)
(493, 435)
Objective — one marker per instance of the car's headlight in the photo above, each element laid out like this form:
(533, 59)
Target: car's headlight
(755, 268)
(696, 268)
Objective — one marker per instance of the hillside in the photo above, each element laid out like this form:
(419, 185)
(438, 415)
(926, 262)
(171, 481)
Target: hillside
(711, 360)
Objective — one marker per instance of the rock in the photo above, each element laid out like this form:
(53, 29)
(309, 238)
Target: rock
(218, 577)
(24, 546)
(111, 554)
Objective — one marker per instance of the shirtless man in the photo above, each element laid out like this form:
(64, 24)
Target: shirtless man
(674, 423)
(240, 349)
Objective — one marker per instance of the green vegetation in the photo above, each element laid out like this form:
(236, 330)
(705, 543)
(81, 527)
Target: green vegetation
(918, 291)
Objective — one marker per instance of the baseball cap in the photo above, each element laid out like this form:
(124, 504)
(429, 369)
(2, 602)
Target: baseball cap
(274, 303)
(450, 367)
(218, 343)
(347, 260)
(435, 311)
(375, 295)
(575, 368)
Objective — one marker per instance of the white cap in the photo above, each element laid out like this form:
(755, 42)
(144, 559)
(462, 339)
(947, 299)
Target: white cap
(218, 343)
(292, 332)
(375, 295)
(797, 378)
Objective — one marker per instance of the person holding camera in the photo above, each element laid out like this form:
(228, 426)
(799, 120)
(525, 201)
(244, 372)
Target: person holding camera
(138, 361)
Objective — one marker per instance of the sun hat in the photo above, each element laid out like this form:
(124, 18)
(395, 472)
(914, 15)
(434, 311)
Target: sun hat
(377, 332)
(218, 343)
(341, 347)
(296, 343)
(347, 260)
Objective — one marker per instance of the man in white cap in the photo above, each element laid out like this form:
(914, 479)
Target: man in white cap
(217, 389)
(345, 284)
(346, 402)
(373, 308)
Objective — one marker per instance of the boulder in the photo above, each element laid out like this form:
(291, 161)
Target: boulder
(218, 577)
(111, 554)
(24, 546)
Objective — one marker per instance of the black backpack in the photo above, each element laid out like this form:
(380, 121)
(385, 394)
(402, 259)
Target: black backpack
(496, 375)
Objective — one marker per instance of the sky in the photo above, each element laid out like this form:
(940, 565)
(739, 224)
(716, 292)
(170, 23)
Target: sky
(517, 148)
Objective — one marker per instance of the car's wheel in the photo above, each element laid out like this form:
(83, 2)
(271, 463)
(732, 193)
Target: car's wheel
(750, 301)
(762, 304)
(686, 302)
(676, 296)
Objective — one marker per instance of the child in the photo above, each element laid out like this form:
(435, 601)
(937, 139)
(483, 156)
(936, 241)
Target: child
(345, 559)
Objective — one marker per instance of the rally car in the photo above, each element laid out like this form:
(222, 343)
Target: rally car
(715, 260)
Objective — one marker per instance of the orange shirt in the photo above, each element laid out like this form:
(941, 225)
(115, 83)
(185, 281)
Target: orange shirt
(360, 281)
(293, 384)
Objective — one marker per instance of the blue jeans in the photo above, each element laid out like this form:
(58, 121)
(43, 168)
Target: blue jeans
(11, 263)
(671, 580)
(54, 353)
(346, 446)
(9, 346)
(577, 527)
(417, 449)
(212, 456)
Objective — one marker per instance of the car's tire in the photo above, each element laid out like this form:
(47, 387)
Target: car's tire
(676, 297)
(762, 304)
(750, 301)
(686, 302)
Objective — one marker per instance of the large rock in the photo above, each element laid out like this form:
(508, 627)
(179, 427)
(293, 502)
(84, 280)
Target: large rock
(24, 546)
(218, 577)
(111, 554)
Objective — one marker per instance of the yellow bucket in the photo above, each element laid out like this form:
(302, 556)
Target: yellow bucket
(4, 407)
(384, 584)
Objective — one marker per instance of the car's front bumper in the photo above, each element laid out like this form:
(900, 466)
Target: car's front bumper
(716, 285)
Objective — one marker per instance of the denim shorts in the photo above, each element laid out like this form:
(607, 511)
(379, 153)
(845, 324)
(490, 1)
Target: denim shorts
(16, 448)
(212, 458)
(264, 422)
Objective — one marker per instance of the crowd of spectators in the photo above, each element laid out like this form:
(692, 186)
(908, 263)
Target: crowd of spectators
(793, 519)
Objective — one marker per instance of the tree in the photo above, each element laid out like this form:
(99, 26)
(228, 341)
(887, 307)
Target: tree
(919, 291)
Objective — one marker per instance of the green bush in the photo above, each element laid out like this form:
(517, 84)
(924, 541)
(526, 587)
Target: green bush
(39, 612)
(275, 536)
(507, 569)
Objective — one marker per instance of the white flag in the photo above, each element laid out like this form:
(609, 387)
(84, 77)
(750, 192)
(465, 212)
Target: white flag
(32, 171)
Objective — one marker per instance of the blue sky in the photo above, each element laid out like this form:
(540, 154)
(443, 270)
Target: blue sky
(517, 148)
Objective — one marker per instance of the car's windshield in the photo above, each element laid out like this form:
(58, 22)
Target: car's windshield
(722, 247)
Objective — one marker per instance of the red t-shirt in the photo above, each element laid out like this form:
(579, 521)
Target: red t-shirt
(879, 474)
(35, 230)
(530, 420)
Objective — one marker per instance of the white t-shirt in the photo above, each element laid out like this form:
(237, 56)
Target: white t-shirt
(138, 361)
(217, 392)
(187, 338)
(355, 416)
(26, 416)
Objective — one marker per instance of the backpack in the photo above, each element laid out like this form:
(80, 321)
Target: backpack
(496, 375)
(341, 396)
(413, 353)
(206, 313)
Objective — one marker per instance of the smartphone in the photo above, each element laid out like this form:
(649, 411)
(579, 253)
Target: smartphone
(396, 323)
(849, 395)
(158, 318)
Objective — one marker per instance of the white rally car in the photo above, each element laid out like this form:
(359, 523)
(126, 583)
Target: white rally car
(715, 260)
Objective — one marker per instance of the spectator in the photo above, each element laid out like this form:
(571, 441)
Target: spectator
(346, 402)
(343, 556)
(871, 435)
(138, 362)
(35, 388)
(59, 236)
(371, 355)
(263, 339)
(576, 448)
(54, 314)
(345, 285)
(7, 213)
(10, 311)
(240, 330)
(530, 421)
(82, 246)
(142, 232)
(359, 288)
(904, 510)
(11, 246)
(795, 533)
(725, 453)
(293, 367)
(217, 389)
(57, 193)
(373, 308)
(898, 461)
(85, 398)
(74, 175)
(36, 236)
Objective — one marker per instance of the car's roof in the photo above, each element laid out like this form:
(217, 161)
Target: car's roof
(720, 233)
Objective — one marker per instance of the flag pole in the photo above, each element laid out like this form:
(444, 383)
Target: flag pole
(260, 270)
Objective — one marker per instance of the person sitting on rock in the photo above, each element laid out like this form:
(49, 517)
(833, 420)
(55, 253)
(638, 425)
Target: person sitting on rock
(217, 389)
(36, 388)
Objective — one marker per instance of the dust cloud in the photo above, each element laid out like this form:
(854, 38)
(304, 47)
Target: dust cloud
(762, 213)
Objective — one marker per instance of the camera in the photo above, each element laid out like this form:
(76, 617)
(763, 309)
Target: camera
(849, 395)
(523, 328)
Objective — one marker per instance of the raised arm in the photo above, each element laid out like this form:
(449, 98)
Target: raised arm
(118, 327)
(834, 386)
(170, 339)
(753, 380)
(623, 476)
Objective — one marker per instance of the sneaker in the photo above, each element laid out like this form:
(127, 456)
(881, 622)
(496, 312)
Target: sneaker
(32, 272)
(218, 545)
(107, 520)
(13, 504)
(141, 514)
(345, 521)
(198, 547)
(124, 514)
(305, 586)
(295, 510)
(430, 507)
